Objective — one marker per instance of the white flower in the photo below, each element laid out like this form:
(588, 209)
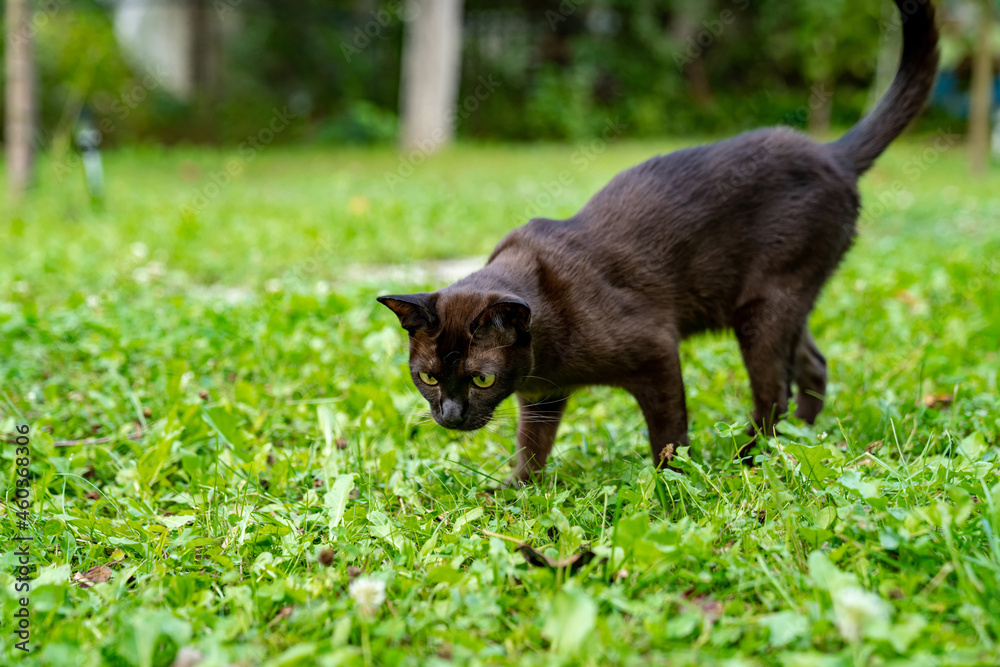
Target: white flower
(139, 249)
(188, 656)
(369, 593)
(857, 610)
(156, 269)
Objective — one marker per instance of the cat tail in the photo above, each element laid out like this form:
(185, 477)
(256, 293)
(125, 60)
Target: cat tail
(907, 95)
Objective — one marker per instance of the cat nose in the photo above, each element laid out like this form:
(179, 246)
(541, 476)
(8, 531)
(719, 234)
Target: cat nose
(452, 413)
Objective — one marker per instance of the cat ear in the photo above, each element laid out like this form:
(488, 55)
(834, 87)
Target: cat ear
(415, 311)
(507, 319)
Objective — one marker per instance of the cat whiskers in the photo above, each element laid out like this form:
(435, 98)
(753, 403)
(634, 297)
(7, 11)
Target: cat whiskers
(498, 347)
(532, 414)
(534, 418)
(535, 377)
(419, 416)
(493, 428)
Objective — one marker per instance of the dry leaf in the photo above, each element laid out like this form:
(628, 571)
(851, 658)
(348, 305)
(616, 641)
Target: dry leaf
(95, 575)
(938, 401)
(907, 297)
(709, 605)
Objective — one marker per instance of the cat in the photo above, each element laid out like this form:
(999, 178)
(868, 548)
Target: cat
(740, 234)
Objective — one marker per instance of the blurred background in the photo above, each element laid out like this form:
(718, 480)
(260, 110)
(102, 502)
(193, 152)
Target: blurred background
(419, 73)
(296, 143)
(203, 198)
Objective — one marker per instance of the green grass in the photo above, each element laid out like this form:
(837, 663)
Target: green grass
(277, 420)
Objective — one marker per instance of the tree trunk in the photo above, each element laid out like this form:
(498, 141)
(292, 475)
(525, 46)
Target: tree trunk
(432, 59)
(982, 92)
(205, 53)
(20, 97)
(690, 55)
(888, 53)
(820, 109)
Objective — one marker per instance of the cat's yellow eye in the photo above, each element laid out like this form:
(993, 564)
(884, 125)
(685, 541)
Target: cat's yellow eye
(484, 381)
(428, 379)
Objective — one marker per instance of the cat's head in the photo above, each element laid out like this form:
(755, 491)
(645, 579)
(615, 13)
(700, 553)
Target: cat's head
(469, 350)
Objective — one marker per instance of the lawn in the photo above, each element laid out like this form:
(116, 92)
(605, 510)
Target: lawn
(223, 434)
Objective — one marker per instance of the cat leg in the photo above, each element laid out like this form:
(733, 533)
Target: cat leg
(810, 376)
(537, 424)
(768, 340)
(660, 393)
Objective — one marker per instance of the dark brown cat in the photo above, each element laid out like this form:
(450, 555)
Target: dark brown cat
(739, 234)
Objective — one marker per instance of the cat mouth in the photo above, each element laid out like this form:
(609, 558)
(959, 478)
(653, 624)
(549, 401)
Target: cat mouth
(473, 424)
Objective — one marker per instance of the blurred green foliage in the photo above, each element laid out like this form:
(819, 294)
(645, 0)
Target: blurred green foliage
(283, 449)
(560, 69)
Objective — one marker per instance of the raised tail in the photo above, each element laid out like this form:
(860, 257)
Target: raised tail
(906, 96)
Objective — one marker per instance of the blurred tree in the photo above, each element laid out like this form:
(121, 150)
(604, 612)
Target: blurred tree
(693, 27)
(889, 48)
(982, 90)
(556, 69)
(19, 95)
(432, 63)
(205, 48)
(830, 43)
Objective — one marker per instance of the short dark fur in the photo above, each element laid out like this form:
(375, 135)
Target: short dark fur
(739, 234)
